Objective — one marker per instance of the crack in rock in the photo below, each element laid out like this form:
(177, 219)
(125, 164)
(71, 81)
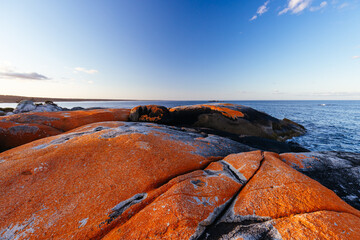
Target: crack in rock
(122, 206)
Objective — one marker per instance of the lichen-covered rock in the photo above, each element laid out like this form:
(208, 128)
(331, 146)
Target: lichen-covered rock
(36, 125)
(338, 171)
(190, 203)
(150, 113)
(81, 184)
(15, 134)
(279, 203)
(231, 118)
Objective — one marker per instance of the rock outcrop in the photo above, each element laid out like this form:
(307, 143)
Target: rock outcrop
(338, 171)
(30, 106)
(231, 118)
(19, 129)
(126, 180)
(81, 184)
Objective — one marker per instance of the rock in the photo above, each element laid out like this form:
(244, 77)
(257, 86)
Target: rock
(191, 202)
(2, 113)
(338, 171)
(260, 143)
(278, 202)
(25, 106)
(14, 134)
(231, 118)
(77, 108)
(82, 184)
(29, 106)
(150, 113)
(51, 123)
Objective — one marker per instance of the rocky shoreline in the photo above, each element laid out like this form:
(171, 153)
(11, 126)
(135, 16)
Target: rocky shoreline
(214, 171)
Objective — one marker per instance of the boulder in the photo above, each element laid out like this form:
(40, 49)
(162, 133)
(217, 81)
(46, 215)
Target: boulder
(15, 134)
(25, 106)
(278, 202)
(36, 125)
(231, 118)
(82, 184)
(150, 113)
(338, 171)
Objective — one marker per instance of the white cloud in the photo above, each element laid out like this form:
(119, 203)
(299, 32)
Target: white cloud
(88, 71)
(26, 76)
(261, 10)
(322, 5)
(296, 6)
(355, 57)
(344, 5)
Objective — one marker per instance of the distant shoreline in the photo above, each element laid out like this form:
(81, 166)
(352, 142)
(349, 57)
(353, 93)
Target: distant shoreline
(16, 99)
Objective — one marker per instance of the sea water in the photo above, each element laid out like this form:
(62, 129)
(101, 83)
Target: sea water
(331, 125)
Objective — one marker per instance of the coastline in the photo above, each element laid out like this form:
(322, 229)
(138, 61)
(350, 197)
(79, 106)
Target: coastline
(16, 99)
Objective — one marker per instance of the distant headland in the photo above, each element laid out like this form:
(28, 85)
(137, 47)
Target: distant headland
(16, 99)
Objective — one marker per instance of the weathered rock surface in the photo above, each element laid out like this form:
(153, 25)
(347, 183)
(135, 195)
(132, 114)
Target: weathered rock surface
(232, 118)
(278, 202)
(19, 129)
(150, 113)
(81, 184)
(30, 106)
(125, 180)
(338, 171)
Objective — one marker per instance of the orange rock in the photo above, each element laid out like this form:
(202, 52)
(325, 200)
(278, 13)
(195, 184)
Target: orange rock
(230, 118)
(150, 113)
(277, 190)
(319, 225)
(19, 129)
(66, 121)
(14, 134)
(338, 171)
(76, 185)
(189, 205)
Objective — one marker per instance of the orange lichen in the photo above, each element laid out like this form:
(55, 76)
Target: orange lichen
(277, 190)
(22, 128)
(66, 185)
(319, 225)
(294, 159)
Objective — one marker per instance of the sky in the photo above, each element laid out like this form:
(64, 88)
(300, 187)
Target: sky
(181, 49)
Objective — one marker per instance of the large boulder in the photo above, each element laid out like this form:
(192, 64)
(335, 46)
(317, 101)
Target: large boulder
(231, 118)
(150, 113)
(30, 106)
(338, 171)
(124, 180)
(25, 106)
(278, 202)
(19, 129)
(81, 184)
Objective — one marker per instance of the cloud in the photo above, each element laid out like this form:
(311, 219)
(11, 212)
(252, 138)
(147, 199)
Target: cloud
(296, 6)
(355, 57)
(88, 71)
(322, 5)
(26, 76)
(261, 10)
(344, 5)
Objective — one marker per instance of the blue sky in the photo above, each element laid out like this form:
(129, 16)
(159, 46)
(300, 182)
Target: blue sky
(181, 50)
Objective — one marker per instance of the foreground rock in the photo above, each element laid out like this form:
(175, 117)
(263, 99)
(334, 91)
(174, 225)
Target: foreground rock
(121, 180)
(338, 171)
(231, 118)
(80, 184)
(19, 129)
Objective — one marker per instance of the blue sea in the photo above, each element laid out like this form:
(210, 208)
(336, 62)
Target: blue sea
(331, 125)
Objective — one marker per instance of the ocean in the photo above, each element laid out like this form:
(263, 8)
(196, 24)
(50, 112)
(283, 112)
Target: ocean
(331, 125)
